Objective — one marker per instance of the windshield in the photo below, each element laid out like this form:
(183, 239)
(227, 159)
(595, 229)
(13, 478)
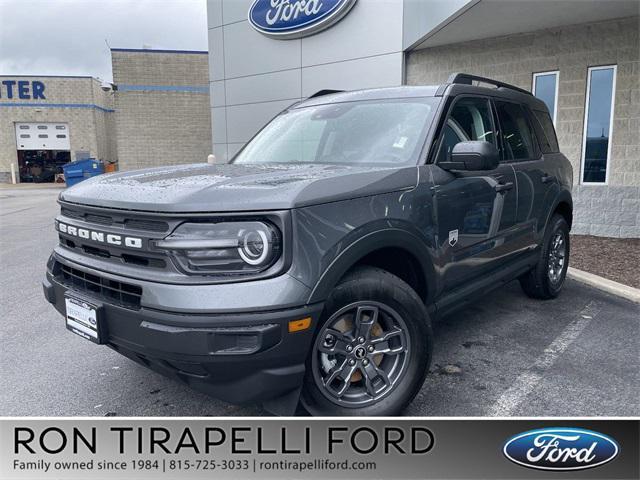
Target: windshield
(364, 132)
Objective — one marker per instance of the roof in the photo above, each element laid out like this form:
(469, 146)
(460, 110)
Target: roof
(423, 91)
(49, 76)
(429, 24)
(150, 50)
(371, 94)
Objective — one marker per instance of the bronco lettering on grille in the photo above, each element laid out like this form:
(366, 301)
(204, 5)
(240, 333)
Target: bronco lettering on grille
(100, 237)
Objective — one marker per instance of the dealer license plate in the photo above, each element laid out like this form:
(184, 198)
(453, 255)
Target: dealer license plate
(82, 319)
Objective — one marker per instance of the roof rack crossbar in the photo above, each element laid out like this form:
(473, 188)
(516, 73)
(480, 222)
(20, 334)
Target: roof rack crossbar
(468, 79)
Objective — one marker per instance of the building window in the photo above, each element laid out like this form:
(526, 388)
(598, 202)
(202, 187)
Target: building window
(545, 87)
(42, 127)
(598, 124)
(60, 127)
(24, 135)
(24, 127)
(43, 136)
(61, 136)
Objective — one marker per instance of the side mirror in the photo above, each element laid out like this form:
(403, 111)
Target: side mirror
(472, 156)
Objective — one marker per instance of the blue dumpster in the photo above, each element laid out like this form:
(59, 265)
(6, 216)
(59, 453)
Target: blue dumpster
(79, 170)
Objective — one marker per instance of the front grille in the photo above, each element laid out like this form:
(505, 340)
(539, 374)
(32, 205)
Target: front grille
(120, 223)
(148, 225)
(128, 223)
(111, 291)
(99, 219)
(127, 258)
(72, 214)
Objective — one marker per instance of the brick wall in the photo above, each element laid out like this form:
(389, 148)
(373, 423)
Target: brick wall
(612, 210)
(167, 121)
(153, 67)
(87, 125)
(105, 123)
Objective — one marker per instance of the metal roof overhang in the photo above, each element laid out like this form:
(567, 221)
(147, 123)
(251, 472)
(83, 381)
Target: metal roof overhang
(493, 18)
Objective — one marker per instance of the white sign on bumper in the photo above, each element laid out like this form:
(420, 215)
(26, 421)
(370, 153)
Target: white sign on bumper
(82, 319)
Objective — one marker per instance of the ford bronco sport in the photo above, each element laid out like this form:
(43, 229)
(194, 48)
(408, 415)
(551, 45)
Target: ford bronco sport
(308, 269)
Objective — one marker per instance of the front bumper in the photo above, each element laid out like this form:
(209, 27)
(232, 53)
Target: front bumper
(238, 357)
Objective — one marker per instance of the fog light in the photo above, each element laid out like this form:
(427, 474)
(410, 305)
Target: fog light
(299, 325)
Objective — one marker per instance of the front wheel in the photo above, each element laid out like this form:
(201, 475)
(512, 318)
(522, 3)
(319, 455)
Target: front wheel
(546, 279)
(372, 348)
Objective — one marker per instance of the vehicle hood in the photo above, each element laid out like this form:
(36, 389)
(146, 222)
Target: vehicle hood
(235, 187)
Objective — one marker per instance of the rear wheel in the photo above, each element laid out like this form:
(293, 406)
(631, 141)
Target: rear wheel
(372, 348)
(546, 279)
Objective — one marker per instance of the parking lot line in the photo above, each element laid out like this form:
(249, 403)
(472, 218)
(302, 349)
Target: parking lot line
(507, 403)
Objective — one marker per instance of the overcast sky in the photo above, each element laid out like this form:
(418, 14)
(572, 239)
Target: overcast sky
(67, 37)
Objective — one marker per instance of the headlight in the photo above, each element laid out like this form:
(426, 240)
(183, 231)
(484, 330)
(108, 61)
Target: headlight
(224, 248)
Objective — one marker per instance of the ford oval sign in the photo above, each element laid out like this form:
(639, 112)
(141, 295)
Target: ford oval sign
(288, 19)
(561, 449)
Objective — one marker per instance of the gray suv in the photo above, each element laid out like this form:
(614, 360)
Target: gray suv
(308, 270)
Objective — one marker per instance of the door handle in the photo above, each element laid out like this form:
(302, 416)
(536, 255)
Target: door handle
(504, 187)
(547, 178)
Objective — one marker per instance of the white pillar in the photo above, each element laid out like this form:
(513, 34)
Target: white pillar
(13, 173)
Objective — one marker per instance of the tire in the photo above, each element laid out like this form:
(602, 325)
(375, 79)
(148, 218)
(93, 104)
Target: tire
(539, 282)
(394, 320)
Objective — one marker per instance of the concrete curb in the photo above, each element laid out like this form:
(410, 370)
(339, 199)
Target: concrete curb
(604, 284)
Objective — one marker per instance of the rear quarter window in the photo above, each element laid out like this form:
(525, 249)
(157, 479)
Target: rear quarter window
(545, 132)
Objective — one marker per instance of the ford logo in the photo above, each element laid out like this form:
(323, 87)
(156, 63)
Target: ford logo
(561, 449)
(288, 19)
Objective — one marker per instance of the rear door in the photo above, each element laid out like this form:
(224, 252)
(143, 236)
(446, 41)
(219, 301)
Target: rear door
(535, 182)
(475, 211)
(552, 165)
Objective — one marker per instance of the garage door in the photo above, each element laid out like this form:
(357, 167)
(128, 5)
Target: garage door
(42, 136)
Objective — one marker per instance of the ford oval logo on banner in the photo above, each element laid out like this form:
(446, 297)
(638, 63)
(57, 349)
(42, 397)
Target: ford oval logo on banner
(288, 19)
(561, 449)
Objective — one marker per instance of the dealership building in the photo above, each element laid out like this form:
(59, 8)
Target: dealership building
(581, 57)
(156, 112)
(46, 120)
(161, 104)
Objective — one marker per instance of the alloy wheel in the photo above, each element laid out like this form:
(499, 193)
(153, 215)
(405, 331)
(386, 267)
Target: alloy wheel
(557, 254)
(361, 354)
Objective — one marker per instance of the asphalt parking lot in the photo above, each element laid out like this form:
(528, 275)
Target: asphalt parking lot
(578, 355)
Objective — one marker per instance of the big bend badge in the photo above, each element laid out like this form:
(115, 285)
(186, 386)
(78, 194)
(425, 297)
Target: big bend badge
(453, 237)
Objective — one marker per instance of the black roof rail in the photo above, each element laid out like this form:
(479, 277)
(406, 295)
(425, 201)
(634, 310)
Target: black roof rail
(320, 93)
(468, 79)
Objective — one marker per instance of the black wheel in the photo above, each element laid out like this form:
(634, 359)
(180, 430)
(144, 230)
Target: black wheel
(372, 348)
(545, 280)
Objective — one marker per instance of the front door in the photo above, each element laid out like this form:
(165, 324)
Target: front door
(475, 211)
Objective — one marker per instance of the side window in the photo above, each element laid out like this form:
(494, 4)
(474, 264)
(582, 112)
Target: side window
(469, 119)
(517, 138)
(545, 132)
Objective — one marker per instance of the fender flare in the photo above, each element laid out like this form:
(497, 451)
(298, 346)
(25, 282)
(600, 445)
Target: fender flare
(563, 195)
(387, 238)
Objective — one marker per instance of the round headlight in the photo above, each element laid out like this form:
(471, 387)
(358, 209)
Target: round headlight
(224, 248)
(254, 246)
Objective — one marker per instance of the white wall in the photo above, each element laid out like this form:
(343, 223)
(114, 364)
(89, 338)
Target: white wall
(254, 77)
